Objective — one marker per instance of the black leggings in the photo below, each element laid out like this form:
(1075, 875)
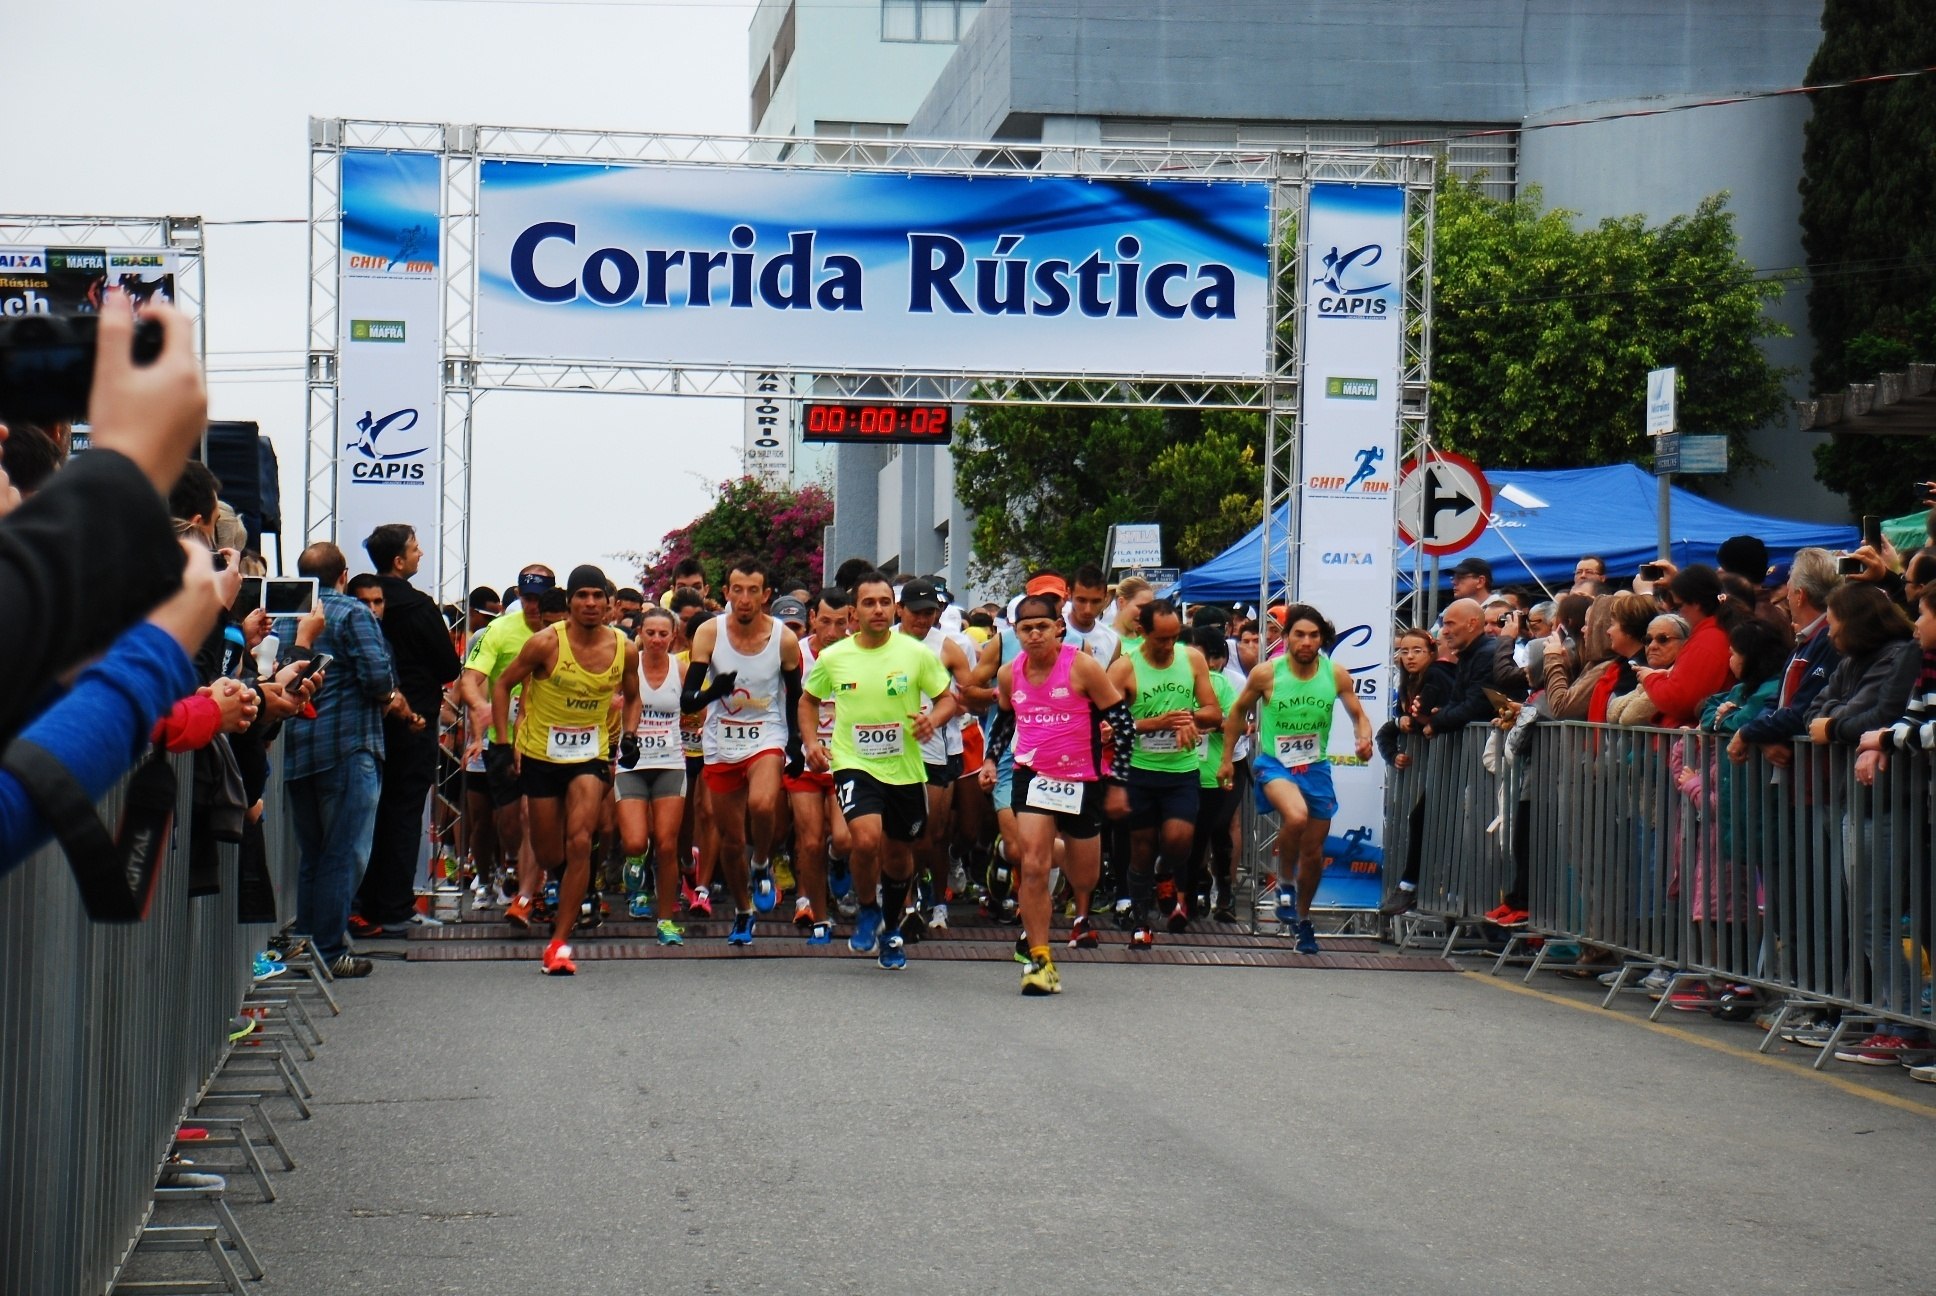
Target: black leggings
(1215, 809)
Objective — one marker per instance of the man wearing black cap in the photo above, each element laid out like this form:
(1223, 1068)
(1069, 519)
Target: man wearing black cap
(492, 650)
(1472, 579)
(570, 672)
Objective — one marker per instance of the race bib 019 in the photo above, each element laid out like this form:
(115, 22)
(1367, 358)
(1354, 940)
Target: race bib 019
(879, 742)
(567, 745)
(1058, 796)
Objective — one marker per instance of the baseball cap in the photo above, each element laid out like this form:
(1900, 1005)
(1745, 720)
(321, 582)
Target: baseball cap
(586, 576)
(789, 609)
(1047, 583)
(532, 585)
(920, 596)
(941, 590)
(1474, 566)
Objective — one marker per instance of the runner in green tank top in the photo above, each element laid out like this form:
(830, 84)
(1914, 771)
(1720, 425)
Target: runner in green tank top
(1172, 705)
(1292, 766)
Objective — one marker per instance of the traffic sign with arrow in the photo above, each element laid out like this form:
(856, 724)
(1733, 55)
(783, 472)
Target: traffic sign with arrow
(1444, 503)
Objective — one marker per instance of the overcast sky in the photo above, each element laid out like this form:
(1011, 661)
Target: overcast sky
(202, 108)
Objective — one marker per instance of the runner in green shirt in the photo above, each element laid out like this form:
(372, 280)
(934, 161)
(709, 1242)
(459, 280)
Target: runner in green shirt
(1173, 705)
(877, 681)
(1292, 764)
(492, 651)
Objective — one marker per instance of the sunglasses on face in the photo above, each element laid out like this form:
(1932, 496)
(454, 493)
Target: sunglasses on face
(1663, 639)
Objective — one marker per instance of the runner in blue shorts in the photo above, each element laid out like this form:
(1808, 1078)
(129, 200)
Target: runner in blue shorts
(1292, 767)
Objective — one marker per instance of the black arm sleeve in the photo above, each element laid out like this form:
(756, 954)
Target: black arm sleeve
(693, 693)
(82, 560)
(1001, 732)
(795, 744)
(1123, 735)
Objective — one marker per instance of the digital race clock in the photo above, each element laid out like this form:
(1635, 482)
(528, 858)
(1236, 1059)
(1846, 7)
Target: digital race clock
(905, 423)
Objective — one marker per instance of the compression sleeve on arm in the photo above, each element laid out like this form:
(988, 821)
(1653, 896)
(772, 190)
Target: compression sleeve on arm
(693, 694)
(1000, 734)
(795, 745)
(1123, 733)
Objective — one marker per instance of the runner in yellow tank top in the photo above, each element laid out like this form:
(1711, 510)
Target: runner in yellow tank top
(570, 673)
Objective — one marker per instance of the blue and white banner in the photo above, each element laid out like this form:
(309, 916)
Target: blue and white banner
(1353, 317)
(389, 352)
(748, 267)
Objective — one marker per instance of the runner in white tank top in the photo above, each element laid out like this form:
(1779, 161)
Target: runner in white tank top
(652, 794)
(745, 671)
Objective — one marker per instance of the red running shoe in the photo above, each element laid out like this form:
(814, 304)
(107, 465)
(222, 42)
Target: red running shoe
(1081, 936)
(557, 960)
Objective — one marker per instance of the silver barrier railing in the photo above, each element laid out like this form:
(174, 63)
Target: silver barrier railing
(1654, 847)
(107, 1033)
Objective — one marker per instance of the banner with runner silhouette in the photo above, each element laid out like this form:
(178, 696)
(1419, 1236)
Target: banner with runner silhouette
(1350, 460)
(390, 352)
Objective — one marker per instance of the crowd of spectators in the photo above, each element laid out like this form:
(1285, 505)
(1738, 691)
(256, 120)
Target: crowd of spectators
(1833, 649)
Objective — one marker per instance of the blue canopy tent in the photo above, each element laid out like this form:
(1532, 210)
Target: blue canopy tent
(1543, 522)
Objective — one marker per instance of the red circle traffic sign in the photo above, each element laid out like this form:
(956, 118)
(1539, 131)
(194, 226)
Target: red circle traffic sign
(1444, 502)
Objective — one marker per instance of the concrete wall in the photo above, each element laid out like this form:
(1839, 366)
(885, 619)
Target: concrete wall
(1662, 167)
(1351, 60)
(841, 71)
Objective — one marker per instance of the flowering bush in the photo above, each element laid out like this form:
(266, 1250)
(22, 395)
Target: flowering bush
(784, 528)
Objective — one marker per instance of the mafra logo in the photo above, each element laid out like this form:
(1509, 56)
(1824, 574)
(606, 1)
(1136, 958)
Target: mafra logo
(376, 330)
(377, 467)
(1346, 295)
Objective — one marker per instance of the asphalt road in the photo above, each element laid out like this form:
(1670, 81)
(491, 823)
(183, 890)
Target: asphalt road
(821, 1126)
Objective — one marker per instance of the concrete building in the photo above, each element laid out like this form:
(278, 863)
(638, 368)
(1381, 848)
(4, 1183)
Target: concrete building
(1338, 73)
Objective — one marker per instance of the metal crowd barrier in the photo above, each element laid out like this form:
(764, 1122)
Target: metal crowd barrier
(1653, 846)
(107, 1033)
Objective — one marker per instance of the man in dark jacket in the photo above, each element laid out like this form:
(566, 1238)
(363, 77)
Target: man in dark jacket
(425, 661)
(1812, 577)
(1464, 623)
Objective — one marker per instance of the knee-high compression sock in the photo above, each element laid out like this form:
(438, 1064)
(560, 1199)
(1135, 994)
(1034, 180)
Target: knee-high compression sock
(893, 898)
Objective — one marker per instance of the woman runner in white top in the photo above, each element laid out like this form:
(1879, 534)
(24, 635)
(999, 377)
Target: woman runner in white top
(652, 794)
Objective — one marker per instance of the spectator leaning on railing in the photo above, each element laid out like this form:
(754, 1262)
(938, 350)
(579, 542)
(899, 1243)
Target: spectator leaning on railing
(1812, 578)
(1463, 633)
(1629, 616)
(1880, 662)
(1700, 669)
(1915, 729)
(1570, 699)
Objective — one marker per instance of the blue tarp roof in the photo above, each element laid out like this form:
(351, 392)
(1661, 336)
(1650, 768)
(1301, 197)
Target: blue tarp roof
(1550, 518)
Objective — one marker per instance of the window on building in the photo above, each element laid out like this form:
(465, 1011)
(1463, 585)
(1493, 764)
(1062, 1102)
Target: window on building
(929, 21)
(774, 69)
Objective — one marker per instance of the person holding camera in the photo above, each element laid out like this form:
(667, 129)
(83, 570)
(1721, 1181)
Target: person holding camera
(334, 766)
(91, 554)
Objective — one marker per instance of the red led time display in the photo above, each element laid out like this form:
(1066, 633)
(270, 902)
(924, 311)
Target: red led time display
(882, 421)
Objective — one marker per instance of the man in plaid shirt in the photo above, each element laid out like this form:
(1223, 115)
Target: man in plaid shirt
(334, 765)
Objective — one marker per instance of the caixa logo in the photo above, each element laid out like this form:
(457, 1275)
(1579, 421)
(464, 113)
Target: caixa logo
(1346, 559)
(1353, 651)
(381, 462)
(1348, 292)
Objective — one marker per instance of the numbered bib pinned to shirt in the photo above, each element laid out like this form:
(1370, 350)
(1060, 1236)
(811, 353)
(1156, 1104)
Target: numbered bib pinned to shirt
(739, 739)
(1159, 740)
(1294, 751)
(879, 742)
(570, 744)
(657, 730)
(1058, 796)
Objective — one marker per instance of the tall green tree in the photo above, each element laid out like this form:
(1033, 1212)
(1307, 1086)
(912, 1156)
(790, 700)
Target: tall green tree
(1869, 229)
(1045, 483)
(1542, 334)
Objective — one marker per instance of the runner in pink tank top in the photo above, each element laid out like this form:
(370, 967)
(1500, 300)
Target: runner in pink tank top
(1056, 730)
(1056, 697)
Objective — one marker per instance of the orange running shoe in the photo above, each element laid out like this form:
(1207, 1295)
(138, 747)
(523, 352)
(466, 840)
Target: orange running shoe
(518, 913)
(803, 913)
(557, 960)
